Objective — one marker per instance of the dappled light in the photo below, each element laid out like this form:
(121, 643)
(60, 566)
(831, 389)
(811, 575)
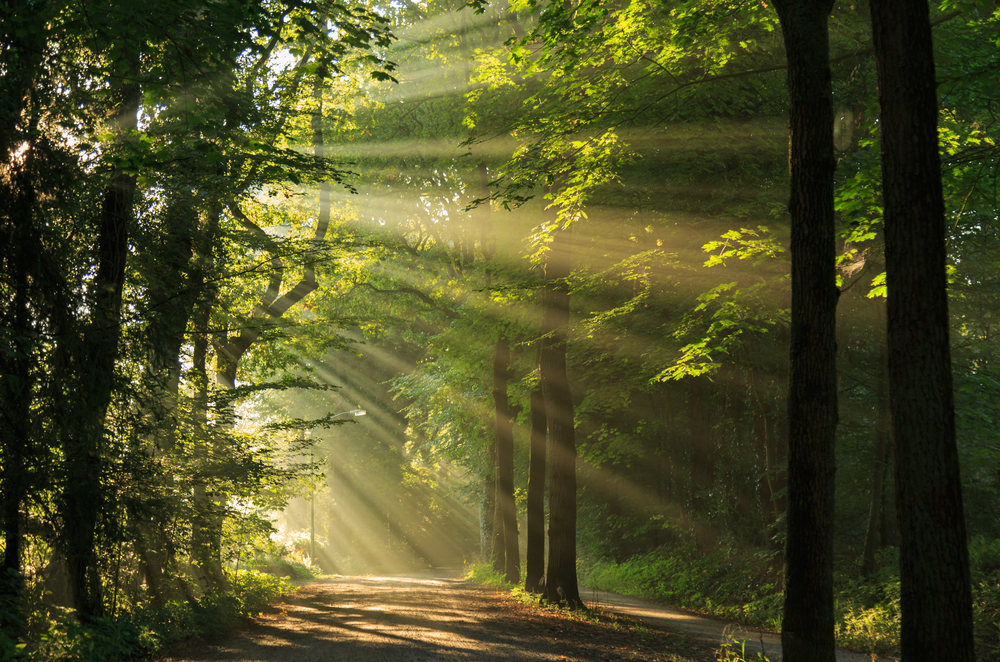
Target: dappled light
(561, 294)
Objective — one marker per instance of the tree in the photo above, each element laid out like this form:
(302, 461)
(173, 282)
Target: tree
(560, 577)
(935, 587)
(807, 629)
(505, 460)
(534, 556)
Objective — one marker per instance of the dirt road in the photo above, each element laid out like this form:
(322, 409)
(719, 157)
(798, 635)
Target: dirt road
(701, 627)
(438, 616)
(427, 617)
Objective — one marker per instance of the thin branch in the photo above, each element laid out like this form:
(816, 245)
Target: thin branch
(415, 293)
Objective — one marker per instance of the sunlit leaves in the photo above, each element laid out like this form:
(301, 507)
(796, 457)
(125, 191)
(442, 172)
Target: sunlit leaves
(744, 244)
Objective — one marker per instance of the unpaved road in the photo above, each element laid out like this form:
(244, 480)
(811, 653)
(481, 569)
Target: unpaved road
(438, 616)
(429, 617)
(701, 627)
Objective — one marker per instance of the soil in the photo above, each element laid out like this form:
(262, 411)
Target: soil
(434, 616)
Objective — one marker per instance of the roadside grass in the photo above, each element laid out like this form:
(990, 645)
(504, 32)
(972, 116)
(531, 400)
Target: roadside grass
(746, 587)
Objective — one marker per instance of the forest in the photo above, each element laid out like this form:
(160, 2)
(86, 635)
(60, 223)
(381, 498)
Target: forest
(687, 300)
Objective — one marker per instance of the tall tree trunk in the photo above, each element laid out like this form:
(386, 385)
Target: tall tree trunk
(935, 587)
(498, 548)
(166, 265)
(808, 625)
(488, 524)
(17, 229)
(206, 521)
(23, 51)
(534, 557)
(505, 461)
(561, 582)
(82, 500)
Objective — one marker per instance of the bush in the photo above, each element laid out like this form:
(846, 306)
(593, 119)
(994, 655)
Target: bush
(148, 631)
(728, 582)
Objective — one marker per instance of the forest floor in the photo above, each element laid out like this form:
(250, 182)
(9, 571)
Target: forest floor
(439, 616)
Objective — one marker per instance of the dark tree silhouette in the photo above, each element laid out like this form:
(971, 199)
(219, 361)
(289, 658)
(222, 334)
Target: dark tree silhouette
(935, 593)
(808, 626)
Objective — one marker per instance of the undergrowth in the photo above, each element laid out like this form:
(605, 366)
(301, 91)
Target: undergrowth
(746, 586)
(145, 631)
(485, 575)
(729, 650)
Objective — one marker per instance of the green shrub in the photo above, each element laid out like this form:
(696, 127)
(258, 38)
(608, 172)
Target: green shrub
(727, 582)
(485, 574)
(147, 631)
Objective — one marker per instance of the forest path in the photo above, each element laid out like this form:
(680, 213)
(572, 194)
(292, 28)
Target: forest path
(436, 615)
(701, 627)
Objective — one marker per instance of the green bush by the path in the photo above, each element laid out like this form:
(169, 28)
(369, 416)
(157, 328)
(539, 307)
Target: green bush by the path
(726, 583)
(746, 587)
(146, 631)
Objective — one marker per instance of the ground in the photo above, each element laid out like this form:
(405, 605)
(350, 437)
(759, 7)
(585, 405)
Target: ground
(434, 617)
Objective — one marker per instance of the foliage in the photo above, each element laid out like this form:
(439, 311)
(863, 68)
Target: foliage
(656, 130)
(733, 650)
(728, 583)
(486, 575)
(150, 630)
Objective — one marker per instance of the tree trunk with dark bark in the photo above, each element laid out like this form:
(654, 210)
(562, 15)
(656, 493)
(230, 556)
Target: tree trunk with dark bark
(20, 250)
(82, 500)
(206, 524)
(808, 625)
(935, 587)
(272, 305)
(534, 558)
(560, 582)
(505, 461)
(497, 548)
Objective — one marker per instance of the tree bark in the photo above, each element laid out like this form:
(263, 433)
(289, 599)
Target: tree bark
(82, 499)
(561, 583)
(935, 587)
(272, 305)
(534, 558)
(165, 263)
(488, 523)
(20, 250)
(498, 550)
(206, 523)
(505, 461)
(808, 624)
